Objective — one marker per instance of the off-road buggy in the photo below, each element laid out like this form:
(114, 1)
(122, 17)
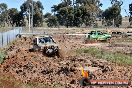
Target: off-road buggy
(46, 45)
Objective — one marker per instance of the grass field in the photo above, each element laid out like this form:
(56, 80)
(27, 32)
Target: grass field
(119, 58)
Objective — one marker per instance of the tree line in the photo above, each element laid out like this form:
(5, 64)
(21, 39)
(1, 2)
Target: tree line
(68, 13)
(13, 17)
(71, 13)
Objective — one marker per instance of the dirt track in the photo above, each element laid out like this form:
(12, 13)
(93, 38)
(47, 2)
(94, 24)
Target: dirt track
(33, 67)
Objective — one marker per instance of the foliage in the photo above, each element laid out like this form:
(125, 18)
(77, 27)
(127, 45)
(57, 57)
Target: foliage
(69, 13)
(118, 21)
(3, 7)
(3, 14)
(52, 21)
(2, 57)
(10, 16)
(76, 12)
(26, 8)
(112, 14)
(13, 16)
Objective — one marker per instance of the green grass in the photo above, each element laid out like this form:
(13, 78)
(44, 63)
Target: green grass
(2, 56)
(128, 40)
(119, 58)
(3, 52)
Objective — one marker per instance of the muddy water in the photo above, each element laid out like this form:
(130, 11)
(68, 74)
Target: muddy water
(7, 37)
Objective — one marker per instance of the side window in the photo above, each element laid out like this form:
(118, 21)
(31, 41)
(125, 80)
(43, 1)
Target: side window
(41, 40)
(46, 39)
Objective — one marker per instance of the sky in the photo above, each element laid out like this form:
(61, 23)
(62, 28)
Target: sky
(49, 3)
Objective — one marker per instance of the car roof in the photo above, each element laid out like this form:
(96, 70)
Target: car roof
(42, 36)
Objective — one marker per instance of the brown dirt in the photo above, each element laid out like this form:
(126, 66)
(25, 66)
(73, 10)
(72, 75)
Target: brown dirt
(34, 67)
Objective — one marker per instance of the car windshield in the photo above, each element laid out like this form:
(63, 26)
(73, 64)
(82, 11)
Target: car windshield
(46, 40)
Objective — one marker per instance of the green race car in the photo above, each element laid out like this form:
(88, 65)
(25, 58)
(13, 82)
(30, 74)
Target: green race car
(97, 36)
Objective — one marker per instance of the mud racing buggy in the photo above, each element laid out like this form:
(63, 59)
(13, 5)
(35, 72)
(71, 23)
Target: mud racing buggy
(97, 36)
(46, 45)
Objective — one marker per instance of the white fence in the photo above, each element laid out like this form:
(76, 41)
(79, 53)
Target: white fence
(9, 36)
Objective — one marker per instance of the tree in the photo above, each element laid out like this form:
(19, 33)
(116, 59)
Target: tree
(47, 15)
(26, 7)
(12, 16)
(54, 9)
(77, 12)
(51, 20)
(112, 15)
(118, 21)
(3, 7)
(3, 14)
